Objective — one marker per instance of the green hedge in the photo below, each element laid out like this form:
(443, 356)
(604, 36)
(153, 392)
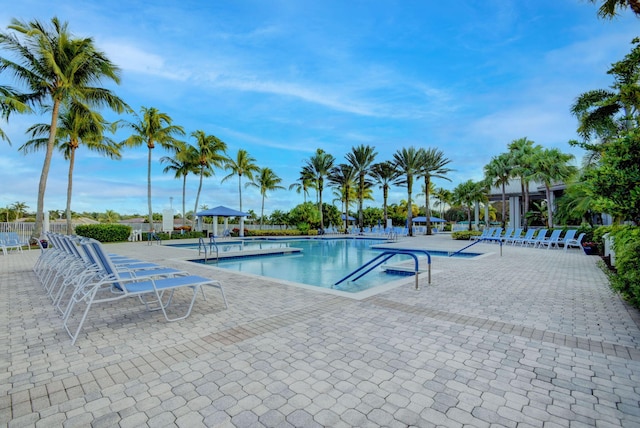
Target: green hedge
(465, 235)
(626, 280)
(104, 232)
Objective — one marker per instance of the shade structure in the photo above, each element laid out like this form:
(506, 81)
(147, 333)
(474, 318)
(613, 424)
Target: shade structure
(423, 219)
(221, 211)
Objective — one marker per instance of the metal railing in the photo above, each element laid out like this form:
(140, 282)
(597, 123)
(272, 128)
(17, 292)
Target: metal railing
(382, 258)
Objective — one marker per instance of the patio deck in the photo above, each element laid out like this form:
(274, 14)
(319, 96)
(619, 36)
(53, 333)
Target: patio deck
(533, 338)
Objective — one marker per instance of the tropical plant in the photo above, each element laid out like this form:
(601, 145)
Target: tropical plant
(443, 198)
(266, 181)
(304, 182)
(344, 178)
(550, 167)
(433, 166)
(521, 153)
(408, 162)
(243, 164)
(468, 193)
(498, 173)
(56, 67)
(384, 174)
(10, 102)
(318, 167)
(609, 8)
(154, 127)
(209, 151)
(361, 158)
(18, 208)
(182, 164)
(78, 125)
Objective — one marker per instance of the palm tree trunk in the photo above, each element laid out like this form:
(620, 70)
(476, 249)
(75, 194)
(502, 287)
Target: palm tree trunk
(409, 211)
(549, 205)
(240, 189)
(149, 190)
(262, 213)
(42, 186)
(504, 208)
(385, 195)
(320, 186)
(427, 208)
(72, 158)
(360, 202)
(195, 210)
(184, 192)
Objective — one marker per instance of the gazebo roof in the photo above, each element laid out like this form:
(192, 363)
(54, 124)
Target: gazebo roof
(221, 211)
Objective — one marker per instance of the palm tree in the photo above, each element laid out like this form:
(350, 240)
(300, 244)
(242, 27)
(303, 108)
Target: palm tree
(56, 67)
(551, 167)
(468, 193)
(153, 128)
(433, 167)
(110, 216)
(318, 166)
(344, 177)
(266, 180)
(182, 164)
(210, 151)
(384, 174)
(79, 124)
(442, 197)
(18, 207)
(302, 185)
(10, 102)
(609, 8)
(244, 164)
(497, 173)
(521, 152)
(408, 162)
(361, 158)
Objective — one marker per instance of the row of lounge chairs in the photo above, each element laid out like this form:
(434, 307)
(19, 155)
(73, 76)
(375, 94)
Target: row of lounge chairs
(76, 273)
(535, 238)
(10, 241)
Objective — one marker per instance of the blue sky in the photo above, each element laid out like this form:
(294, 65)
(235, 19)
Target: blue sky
(283, 78)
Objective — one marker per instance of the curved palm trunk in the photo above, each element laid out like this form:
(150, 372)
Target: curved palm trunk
(42, 186)
(72, 159)
(184, 192)
(195, 210)
(427, 208)
(149, 189)
(504, 208)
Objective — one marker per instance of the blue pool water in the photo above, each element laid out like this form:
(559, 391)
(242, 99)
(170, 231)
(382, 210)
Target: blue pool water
(322, 262)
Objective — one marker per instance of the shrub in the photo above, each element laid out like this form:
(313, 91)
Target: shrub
(626, 243)
(465, 235)
(104, 232)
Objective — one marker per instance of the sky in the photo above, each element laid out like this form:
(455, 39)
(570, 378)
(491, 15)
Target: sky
(282, 78)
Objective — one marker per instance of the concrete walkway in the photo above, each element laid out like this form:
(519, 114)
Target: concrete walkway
(534, 338)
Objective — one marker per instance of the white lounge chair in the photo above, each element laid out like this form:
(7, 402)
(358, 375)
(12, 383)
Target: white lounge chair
(577, 242)
(111, 286)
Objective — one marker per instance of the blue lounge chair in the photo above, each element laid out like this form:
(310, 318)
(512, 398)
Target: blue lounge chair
(527, 236)
(570, 235)
(551, 241)
(516, 235)
(542, 233)
(577, 242)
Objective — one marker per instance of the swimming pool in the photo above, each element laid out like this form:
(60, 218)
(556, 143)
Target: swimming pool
(322, 262)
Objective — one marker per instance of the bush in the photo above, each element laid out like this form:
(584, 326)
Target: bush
(104, 232)
(626, 243)
(465, 235)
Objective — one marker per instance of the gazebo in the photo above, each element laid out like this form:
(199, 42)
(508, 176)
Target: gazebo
(221, 211)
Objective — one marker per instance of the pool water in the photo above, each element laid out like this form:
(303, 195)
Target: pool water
(322, 263)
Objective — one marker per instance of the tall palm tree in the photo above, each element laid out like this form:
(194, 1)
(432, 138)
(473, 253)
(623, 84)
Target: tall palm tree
(468, 193)
(182, 164)
(319, 166)
(55, 67)
(521, 152)
(79, 125)
(344, 178)
(210, 152)
(408, 162)
(361, 158)
(442, 197)
(266, 181)
(497, 173)
(154, 127)
(551, 166)
(243, 164)
(304, 182)
(384, 174)
(434, 166)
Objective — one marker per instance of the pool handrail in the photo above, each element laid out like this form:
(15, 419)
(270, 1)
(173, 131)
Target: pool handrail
(498, 240)
(386, 255)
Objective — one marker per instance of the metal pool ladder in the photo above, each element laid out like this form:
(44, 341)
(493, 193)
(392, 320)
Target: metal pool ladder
(202, 247)
(383, 257)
